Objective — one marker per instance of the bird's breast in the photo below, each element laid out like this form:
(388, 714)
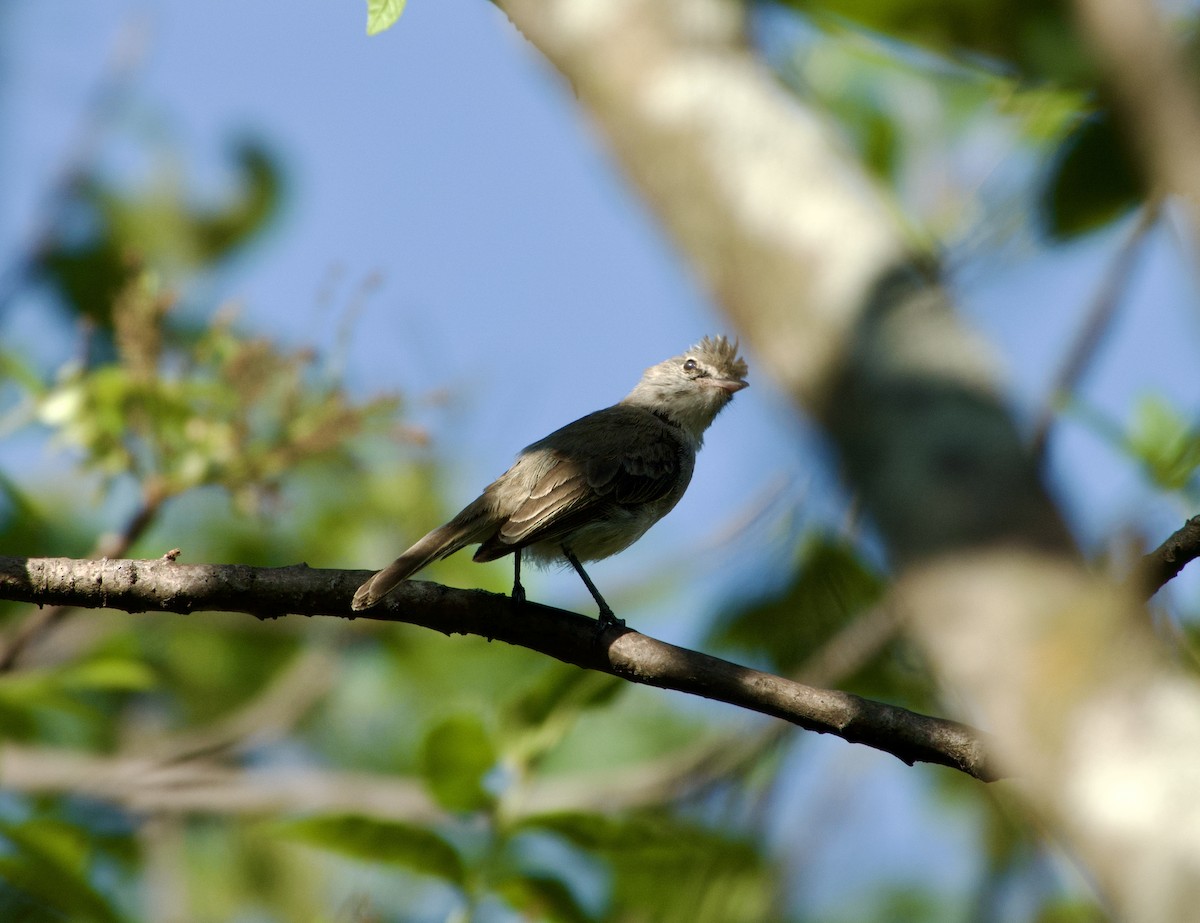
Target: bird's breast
(606, 535)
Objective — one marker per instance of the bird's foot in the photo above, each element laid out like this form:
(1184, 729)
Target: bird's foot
(607, 620)
(518, 595)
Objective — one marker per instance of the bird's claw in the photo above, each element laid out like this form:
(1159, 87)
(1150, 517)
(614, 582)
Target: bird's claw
(606, 621)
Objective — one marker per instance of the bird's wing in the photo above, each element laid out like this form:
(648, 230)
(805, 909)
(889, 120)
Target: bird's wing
(623, 456)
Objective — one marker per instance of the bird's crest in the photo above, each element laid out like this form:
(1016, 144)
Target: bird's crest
(722, 354)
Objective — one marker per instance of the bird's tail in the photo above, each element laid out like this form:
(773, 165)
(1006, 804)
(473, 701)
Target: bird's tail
(461, 531)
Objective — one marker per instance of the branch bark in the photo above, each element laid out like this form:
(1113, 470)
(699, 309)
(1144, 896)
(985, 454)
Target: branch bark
(1165, 562)
(138, 586)
(1153, 90)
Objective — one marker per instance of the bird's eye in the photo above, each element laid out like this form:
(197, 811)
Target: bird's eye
(690, 365)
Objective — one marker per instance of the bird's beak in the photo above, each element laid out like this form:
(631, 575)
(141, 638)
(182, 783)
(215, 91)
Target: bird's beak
(729, 385)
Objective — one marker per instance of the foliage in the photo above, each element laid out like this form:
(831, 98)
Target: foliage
(382, 14)
(1163, 443)
(987, 63)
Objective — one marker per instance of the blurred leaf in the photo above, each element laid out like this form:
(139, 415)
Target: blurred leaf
(830, 587)
(1166, 444)
(221, 231)
(542, 897)
(1092, 181)
(88, 270)
(383, 14)
(223, 410)
(545, 712)
(19, 370)
(107, 673)
(671, 871)
(599, 832)
(1035, 36)
(1045, 113)
(391, 842)
(210, 672)
(17, 718)
(25, 528)
(111, 235)
(562, 687)
(29, 697)
(907, 904)
(50, 864)
(880, 145)
(458, 753)
(1066, 910)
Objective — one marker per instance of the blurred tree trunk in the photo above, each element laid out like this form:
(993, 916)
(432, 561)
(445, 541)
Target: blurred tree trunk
(804, 256)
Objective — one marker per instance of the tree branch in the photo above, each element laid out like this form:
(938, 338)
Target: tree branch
(813, 270)
(150, 785)
(138, 586)
(1152, 88)
(1096, 325)
(1165, 562)
(14, 644)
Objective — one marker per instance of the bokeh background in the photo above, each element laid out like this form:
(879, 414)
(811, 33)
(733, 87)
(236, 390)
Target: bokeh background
(427, 215)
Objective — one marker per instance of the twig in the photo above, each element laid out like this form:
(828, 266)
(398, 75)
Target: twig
(1095, 325)
(138, 586)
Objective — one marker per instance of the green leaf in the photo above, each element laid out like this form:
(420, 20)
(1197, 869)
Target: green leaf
(1093, 181)
(1166, 444)
(597, 832)
(382, 14)
(543, 897)
(831, 586)
(666, 869)
(563, 687)
(19, 370)
(30, 697)
(1035, 36)
(113, 673)
(456, 756)
(49, 863)
(415, 848)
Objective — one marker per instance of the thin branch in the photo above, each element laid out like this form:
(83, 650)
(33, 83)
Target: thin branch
(138, 586)
(148, 785)
(1095, 326)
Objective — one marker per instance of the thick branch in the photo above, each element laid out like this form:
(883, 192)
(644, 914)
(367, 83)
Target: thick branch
(138, 586)
(1152, 88)
(815, 274)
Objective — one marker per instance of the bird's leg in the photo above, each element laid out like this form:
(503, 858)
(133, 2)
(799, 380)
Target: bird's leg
(518, 593)
(607, 618)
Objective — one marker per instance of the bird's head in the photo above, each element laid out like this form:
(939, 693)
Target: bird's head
(690, 389)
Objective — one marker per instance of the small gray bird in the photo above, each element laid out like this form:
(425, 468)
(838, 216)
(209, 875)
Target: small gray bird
(595, 486)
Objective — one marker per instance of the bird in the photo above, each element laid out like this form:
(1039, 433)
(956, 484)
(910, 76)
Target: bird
(592, 488)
